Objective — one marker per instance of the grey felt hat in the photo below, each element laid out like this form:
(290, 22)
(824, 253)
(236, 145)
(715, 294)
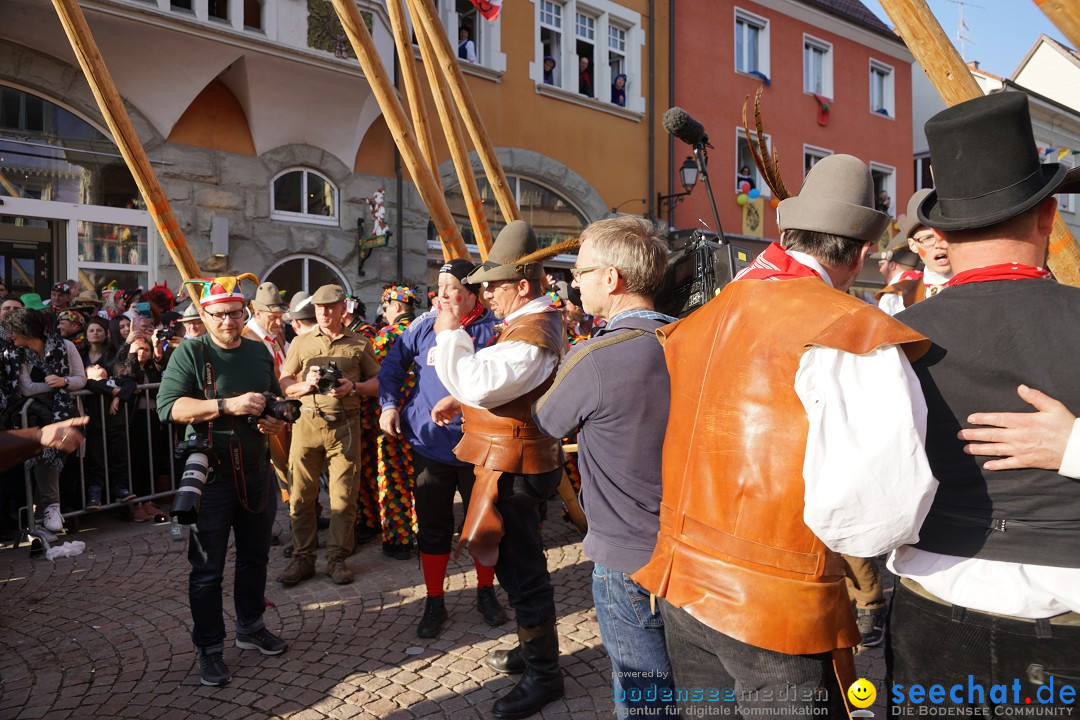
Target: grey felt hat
(910, 222)
(514, 241)
(898, 249)
(328, 295)
(268, 299)
(190, 313)
(837, 197)
(300, 308)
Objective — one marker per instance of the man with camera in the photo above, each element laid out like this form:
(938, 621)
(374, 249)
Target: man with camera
(327, 370)
(214, 384)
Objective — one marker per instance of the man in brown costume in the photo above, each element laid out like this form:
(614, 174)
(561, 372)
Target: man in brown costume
(777, 386)
(517, 466)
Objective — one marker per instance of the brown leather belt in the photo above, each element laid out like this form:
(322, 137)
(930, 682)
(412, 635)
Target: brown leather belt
(523, 431)
(1071, 619)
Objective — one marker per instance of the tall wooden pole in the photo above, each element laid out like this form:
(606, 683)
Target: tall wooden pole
(424, 14)
(364, 47)
(417, 108)
(116, 117)
(455, 139)
(954, 83)
(1066, 15)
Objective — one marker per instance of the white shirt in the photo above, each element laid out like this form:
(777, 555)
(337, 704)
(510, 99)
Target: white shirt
(892, 303)
(497, 374)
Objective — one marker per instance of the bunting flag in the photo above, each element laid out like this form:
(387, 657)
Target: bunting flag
(488, 8)
(1063, 152)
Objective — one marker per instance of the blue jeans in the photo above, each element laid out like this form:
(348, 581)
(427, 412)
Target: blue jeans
(633, 635)
(220, 513)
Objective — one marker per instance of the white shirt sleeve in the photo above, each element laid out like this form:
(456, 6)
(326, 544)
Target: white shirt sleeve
(868, 482)
(891, 303)
(1070, 462)
(493, 376)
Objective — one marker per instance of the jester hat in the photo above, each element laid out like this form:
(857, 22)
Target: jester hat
(400, 293)
(209, 291)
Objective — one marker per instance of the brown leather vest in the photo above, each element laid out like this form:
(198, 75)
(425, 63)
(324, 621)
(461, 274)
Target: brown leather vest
(733, 550)
(912, 291)
(506, 438)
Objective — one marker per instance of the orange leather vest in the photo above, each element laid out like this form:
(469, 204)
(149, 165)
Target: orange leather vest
(733, 550)
(912, 291)
(506, 438)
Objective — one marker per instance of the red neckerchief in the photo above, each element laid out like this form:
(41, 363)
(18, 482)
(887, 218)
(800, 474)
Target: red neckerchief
(473, 316)
(775, 264)
(1005, 271)
(911, 275)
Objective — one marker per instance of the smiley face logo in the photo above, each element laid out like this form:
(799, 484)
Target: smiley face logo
(862, 693)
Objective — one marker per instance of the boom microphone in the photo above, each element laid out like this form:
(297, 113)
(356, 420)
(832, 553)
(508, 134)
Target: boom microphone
(679, 124)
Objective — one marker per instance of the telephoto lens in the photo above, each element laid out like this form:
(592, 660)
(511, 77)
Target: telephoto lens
(185, 507)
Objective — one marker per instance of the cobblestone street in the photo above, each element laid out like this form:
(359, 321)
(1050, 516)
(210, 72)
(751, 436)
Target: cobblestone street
(105, 635)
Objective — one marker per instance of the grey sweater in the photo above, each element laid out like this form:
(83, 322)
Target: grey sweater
(615, 388)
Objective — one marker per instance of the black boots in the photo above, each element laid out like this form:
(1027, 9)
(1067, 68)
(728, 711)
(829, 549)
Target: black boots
(507, 662)
(435, 616)
(542, 680)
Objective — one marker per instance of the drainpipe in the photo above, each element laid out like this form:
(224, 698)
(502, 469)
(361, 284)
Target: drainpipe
(671, 96)
(651, 109)
(399, 188)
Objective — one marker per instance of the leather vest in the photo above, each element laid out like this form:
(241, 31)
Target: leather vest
(733, 550)
(912, 291)
(506, 438)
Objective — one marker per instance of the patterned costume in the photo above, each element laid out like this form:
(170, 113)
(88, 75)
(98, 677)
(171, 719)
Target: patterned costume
(367, 516)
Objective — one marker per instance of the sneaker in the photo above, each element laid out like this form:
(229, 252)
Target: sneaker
(122, 493)
(300, 569)
(155, 513)
(397, 551)
(338, 571)
(52, 519)
(139, 514)
(871, 623)
(434, 618)
(93, 497)
(488, 605)
(212, 668)
(262, 640)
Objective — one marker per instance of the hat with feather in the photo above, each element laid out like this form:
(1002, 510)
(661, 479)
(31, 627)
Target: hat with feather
(516, 255)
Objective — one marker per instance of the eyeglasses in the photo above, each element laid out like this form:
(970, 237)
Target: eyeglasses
(494, 285)
(219, 317)
(578, 272)
(927, 239)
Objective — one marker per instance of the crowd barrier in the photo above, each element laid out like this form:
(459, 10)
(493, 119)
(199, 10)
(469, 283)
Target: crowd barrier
(39, 537)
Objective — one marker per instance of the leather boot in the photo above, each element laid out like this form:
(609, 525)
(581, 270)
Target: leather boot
(507, 662)
(542, 680)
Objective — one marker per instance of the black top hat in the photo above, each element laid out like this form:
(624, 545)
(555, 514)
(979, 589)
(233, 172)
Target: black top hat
(986, 167)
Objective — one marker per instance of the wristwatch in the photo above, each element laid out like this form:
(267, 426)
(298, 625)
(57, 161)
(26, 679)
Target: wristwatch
(352, 389)
(221, 407)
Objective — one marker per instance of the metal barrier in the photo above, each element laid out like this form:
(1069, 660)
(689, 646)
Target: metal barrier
(146, 393)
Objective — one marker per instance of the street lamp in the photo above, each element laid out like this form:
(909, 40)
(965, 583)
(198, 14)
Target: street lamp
(688, 172)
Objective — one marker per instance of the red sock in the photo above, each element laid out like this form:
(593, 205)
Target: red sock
(434, 572)
(485, 575)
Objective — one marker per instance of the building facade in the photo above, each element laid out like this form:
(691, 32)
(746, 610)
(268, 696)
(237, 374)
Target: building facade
(269, 143)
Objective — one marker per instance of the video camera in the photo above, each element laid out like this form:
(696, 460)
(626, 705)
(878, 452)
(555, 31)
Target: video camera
(698, 268)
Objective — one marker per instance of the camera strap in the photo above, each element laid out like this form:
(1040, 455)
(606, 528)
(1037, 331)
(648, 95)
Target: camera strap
(236, 459)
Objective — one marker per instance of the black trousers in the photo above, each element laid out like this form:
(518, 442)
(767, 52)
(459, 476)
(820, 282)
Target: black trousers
(522, 566)
(434, 485)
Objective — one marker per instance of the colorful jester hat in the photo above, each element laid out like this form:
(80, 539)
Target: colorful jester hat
(400, 293)
(220, 289)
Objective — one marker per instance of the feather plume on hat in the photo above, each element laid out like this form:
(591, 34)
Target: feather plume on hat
(549, 252)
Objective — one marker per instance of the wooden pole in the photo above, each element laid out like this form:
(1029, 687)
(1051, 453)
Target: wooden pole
(388, 101)
(953, 81)
(417, 108)
(455, 139)
(424, 15)
(1066, 15)
(116, 117)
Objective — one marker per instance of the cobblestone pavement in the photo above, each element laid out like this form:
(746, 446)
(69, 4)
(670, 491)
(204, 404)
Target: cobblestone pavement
(106, 635)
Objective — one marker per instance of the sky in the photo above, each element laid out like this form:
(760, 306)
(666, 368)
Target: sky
(999, 32)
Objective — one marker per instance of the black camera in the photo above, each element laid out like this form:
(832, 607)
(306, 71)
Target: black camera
(328, 378)
(286, 410)
(198, 450)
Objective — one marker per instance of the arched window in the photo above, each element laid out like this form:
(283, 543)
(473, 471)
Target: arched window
(302, 195)
(304, 272)
(552, 216)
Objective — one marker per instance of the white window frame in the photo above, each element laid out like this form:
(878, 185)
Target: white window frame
(307, 258)
(581, 34)
(1066, 203)
(888, 88)
(740, 141)
(894, 211)
(304, 217)
(762, 24)
(487, 37)
(813, 150)
(921, 160)
(606, 12)
(826, 49)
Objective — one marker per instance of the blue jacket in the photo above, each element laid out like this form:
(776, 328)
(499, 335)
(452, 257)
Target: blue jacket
(415, 346)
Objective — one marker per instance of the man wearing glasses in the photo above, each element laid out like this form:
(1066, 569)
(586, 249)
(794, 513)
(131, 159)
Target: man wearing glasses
(214, 385)
(327, 433)
(517, 466)
(913, 242)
